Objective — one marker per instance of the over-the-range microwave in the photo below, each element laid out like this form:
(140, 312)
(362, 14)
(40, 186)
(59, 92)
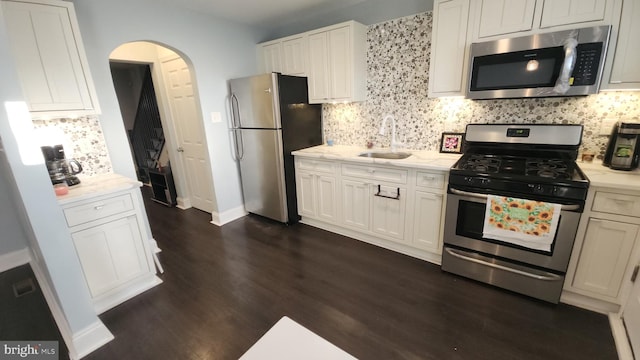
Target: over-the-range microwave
(561, 63)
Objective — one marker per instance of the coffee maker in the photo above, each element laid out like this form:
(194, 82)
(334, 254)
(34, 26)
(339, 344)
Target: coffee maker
(623, 149)
(60, 168)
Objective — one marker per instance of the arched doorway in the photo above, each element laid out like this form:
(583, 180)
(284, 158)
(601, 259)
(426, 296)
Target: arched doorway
(184, 144)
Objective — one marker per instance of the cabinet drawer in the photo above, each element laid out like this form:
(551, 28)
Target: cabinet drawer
(98, 209)
(375, 173)
(620, 204)
(316, 165)
(430, 180)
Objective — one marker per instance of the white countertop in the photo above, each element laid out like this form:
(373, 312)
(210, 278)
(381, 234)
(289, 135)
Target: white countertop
(421, 159)
(94, 186)
(600, 175)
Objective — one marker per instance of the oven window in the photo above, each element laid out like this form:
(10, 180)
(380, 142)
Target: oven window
(470, 223)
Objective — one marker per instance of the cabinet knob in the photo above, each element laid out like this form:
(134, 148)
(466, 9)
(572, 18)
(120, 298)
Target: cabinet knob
(98, 207)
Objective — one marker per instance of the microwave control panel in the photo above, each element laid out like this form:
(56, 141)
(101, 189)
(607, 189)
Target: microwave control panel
(588, 57)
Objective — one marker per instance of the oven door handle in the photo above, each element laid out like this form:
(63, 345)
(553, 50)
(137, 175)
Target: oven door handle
(461, 255)
(485, 196)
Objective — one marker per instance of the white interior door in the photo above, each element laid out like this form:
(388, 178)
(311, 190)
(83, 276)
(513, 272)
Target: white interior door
(631, 317)
(190, 135)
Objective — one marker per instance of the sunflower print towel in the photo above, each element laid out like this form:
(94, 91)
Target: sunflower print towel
(522, 222)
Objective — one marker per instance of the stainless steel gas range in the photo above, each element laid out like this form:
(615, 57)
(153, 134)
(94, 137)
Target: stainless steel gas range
(532, 164)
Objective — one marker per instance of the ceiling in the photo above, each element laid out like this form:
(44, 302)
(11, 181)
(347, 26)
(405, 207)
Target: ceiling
(263, 13)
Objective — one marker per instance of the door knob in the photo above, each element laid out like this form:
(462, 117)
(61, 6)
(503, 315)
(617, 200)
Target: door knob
(180, 149)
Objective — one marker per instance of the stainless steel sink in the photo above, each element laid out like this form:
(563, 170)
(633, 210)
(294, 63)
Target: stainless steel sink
(385, 155)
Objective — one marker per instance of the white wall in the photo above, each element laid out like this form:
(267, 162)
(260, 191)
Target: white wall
(219, 50)
(36, 205)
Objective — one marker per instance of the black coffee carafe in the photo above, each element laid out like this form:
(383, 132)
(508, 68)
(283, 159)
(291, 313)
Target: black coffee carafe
(623, 149)
(60, 168)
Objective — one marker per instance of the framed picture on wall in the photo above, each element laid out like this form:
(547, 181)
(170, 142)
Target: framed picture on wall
(451, 143)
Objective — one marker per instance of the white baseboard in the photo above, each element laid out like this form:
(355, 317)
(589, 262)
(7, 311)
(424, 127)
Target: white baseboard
(425, 255)
(14, 259)
(81, 343)
(183, 203)
(91, 338)
(124, 293)
(620, 337)
(228, 216)
(588, 303)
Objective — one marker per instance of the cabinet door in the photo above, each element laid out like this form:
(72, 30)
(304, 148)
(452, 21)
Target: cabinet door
(389, 211)
(566, 12)
(110, 254)
(447, 75)
(426, 222)
(271, 58)
(293, 56)
(47, 56)
(499, 17)
(355, 204)
(340, 60)
(604, 256)
(326, 198)
(625, 73)
(306, 194)
(318, 67)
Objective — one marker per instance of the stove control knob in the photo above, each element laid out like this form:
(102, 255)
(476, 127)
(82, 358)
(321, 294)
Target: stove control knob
(539, 189)
(469, 179)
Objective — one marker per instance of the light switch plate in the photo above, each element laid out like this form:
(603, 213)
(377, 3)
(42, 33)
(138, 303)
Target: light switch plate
(216, 117)
(607, 125)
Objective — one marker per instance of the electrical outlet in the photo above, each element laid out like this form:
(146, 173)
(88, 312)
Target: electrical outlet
(216, 117)
(607, 125)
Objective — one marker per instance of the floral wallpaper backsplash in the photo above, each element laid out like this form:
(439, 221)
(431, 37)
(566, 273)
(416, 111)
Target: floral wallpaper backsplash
(82, 139)
(398, 54)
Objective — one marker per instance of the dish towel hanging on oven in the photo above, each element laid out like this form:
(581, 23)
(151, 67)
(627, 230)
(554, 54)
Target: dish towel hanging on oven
(527, 223)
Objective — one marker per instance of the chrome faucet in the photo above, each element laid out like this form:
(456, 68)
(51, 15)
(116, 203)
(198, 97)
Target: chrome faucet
(394, 143)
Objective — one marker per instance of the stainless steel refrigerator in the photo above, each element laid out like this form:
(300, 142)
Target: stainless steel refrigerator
(271, 118)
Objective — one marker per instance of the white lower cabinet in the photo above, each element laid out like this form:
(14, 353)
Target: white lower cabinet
(111, 254)
(389, 211)
(605, 256)
(390, 206)
(110, 240)
(606, 249)
(427, 212)
(355, 203)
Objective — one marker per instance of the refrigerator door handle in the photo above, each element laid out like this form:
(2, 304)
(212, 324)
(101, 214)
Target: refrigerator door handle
(239, 144)
(235, 108)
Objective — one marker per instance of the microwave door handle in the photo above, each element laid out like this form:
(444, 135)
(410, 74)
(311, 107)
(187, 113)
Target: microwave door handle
(563, 82)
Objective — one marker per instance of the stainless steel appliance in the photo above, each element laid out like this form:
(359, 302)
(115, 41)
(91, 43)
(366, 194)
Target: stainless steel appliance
(61, 169)
(271, 118)
(561, 63)
(623, 149)
(535, 162)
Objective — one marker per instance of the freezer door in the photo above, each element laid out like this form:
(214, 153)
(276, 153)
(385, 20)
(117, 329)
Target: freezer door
(254, 102)
(262, 172)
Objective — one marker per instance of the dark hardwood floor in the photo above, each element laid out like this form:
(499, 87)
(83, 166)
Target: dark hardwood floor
(224, 287)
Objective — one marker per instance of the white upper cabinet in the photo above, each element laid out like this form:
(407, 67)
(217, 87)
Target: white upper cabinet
(447, 69)
(270, 57)
(622, 69)
(46, 45)
(333, 58)
(564, 12)
(294, 51)
(493, 19)
(498, 17)
(337, 63)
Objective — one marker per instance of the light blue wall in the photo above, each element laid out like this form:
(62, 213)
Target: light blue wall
(367, 12)
(219, 50)
(36, 206)
(13, 237)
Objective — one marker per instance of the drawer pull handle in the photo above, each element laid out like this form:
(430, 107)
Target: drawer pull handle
(428, 178)
(379, 194)
(98, 207)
